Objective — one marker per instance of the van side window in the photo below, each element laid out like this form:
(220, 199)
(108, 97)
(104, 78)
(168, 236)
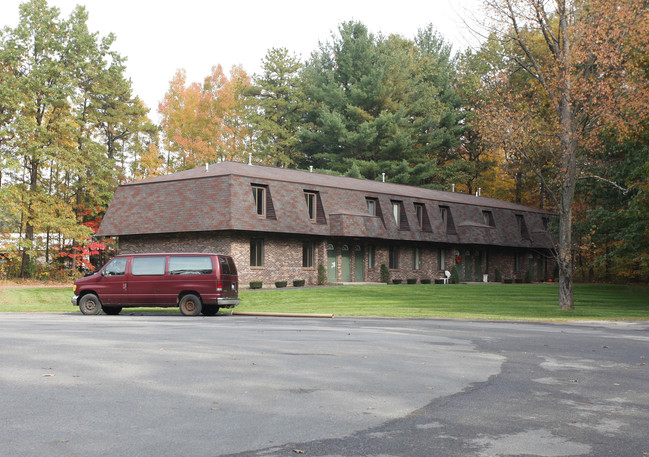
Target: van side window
(225, 267)
(190, 265)
(116, 267)
(148, 266)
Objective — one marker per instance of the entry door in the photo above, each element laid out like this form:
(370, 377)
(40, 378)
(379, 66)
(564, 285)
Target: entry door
(468, 266)
(478, 266)
(332, 270)
(359, 263)
(346, 265)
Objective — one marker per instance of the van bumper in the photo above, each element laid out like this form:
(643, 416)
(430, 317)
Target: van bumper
(75, 300)
(227, 302)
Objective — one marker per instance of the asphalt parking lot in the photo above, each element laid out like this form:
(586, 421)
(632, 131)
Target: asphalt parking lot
(168, 385)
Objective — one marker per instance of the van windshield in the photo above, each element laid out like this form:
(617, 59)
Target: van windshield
(190, 265)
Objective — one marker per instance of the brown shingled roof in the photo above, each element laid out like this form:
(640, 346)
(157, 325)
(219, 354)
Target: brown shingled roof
(219, 197)
(339, 182)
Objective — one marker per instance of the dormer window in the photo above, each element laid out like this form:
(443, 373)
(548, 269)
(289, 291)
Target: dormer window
(314, 207)
(488, 218)
(259, 194)
(423, 223)
(522, 227)
(399, 214)
(371, 206)
(263, 201)
(311, 202)
(447, 219)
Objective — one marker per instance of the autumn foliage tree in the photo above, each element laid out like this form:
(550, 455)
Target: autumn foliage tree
(68, 120)
(203, 123)
(582, 79)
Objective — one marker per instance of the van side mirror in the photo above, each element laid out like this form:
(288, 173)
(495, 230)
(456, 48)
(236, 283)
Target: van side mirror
(103, 272)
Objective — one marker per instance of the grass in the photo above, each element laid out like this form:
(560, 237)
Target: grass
(468, 301)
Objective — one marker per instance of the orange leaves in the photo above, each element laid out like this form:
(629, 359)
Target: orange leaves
(203, 123)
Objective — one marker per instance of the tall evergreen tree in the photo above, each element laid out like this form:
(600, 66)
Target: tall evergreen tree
(277, 105)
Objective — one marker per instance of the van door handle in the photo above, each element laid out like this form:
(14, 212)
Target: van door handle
(124, 286)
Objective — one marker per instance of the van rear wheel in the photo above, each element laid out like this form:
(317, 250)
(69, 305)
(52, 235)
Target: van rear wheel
(190, 305)
(90, 304)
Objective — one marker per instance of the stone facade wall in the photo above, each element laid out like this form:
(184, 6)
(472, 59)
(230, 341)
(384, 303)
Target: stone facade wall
(283, 257)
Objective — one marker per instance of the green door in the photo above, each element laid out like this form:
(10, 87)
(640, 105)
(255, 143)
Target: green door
(346, 264)
(332, 270)
(478, 266)
(359, 263)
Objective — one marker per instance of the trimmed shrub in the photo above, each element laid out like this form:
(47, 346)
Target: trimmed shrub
(280, 284)
(439, 281)
(518, 280)
(455, 275)
(322, 275)
(499, 276)
(508, 281)
(385, 274)
(425, 281)
(412, 280)
(299, 283)
(396, 281)
(256, 284)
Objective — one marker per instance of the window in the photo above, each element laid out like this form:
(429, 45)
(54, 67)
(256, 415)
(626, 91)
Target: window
(371, 257)
(307, 254)
(399, 214)
(396, 212)
(371, 206)
(488, 218)
(419, 210)
(225, 266)
(259, 194)
(394, 258)
(256, 253)
(442, 259)
(522, 227)
(517, 262)
(416, 259)
(447, 219)
(311, 202)
(190, 265)
(148, 266)
(116, 267)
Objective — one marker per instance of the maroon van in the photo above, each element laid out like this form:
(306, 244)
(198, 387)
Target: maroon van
(196, 283)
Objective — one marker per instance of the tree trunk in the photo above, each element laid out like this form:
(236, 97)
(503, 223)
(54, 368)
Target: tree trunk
(568, 184)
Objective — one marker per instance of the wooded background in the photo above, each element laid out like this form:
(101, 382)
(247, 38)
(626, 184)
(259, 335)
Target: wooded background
(549, 111)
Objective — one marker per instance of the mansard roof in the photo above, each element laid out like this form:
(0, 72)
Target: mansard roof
(219, 197)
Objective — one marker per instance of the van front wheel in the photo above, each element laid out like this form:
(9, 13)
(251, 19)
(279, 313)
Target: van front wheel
(190, 305)
(90, 304)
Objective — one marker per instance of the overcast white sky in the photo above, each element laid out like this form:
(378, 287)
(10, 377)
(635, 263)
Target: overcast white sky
(160, 36)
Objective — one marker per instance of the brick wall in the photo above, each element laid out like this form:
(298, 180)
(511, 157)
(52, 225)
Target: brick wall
(283, 257)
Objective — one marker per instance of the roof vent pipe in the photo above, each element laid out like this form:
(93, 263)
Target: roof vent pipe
(250, 158)
(383, 176)
(452, 187)
(310, 168)
(479, 191)
(207, 167)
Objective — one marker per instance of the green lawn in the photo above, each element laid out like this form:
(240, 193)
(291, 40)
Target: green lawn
(471, 301)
